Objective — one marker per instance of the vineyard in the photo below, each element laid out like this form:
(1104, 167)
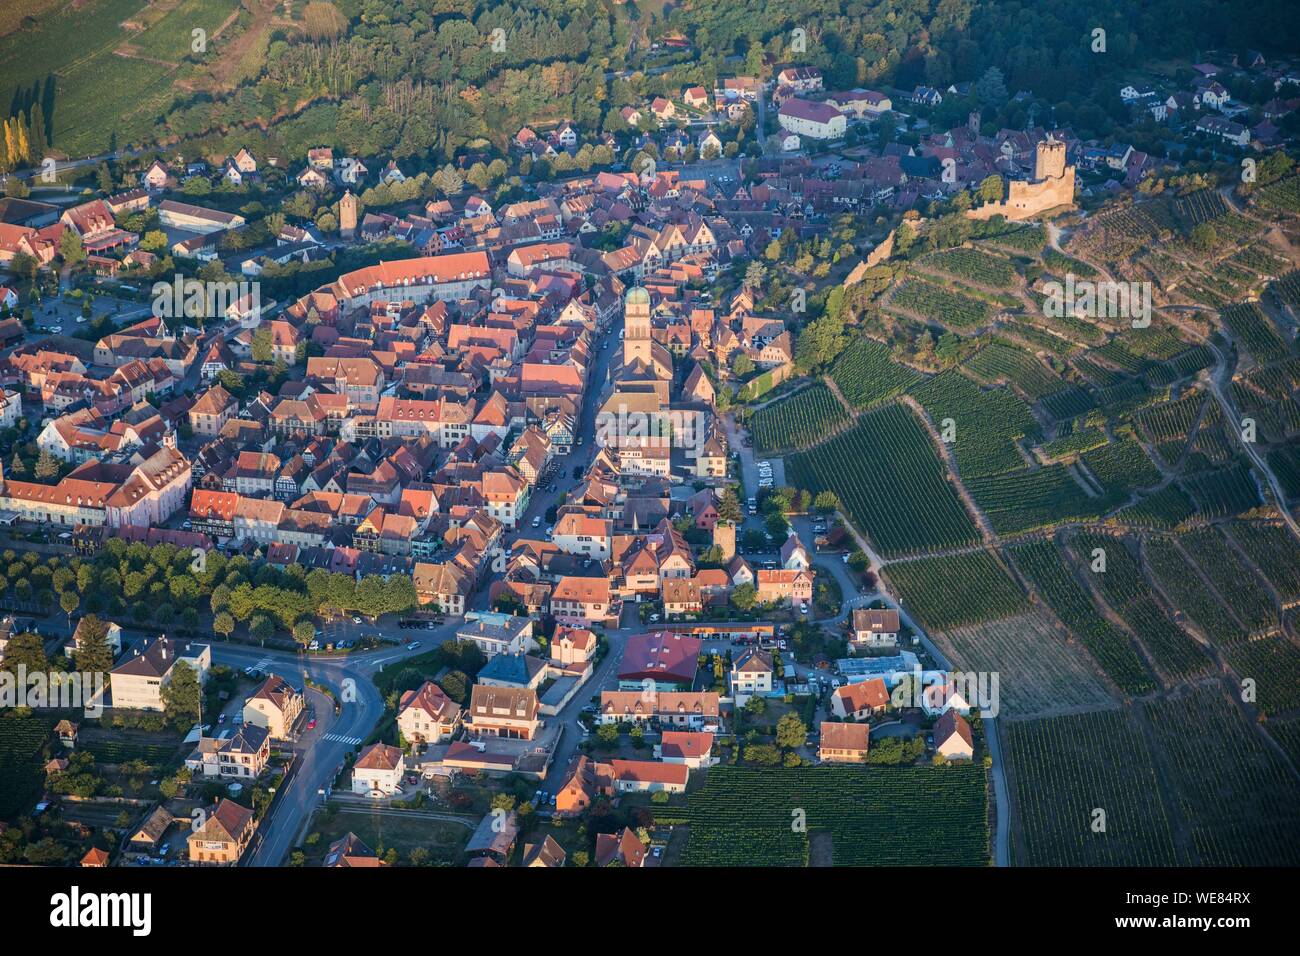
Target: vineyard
(957, 590)
(1121, 466)
(1066, 768)
(1223, 493)
(1001, 362)
(1020, 501)
(1252, 329)
(22, 742)
(1167, 508)
(1029, 238)
(1039, 670)
(1179, 580)
(973, 266)
(1239, 799)
(866, 375)
(1122, 585)
(1274, 550)
(1072, 443)
(985, 424)
(1238, 588)
(943, 306)
(803, 419)
(1274, 665)
(892, 485)
(1044, 565)
(877, 816)
(1281, 196)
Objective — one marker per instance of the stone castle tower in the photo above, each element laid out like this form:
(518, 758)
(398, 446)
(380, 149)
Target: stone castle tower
(348, 208)
(636, 327)
(1049, 161)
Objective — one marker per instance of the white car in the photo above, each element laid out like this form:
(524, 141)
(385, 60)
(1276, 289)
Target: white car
(356, 620)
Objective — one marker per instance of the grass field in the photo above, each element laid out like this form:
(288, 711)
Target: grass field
(873, 816)
(891, 482)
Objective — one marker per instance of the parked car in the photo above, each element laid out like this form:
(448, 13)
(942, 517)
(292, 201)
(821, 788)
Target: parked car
(414, 645)
(537, 521)
(311, 724)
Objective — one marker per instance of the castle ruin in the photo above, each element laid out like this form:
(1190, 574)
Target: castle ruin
(1051, 187)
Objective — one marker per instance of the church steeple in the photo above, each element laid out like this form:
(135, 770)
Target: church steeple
(636, 327)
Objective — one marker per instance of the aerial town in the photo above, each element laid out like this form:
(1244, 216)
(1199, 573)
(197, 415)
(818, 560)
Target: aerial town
(776, 455)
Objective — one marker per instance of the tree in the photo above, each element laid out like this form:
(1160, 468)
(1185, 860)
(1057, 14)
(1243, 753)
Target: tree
(25, 649)
(69, 601)
(93, 654)
(744, 596)
(70, 247)
(181, 695)
(47, 466)
(304, 632)
(991, 88)
(826, 502)
(223, 623)
(607, 734)
(791, 732)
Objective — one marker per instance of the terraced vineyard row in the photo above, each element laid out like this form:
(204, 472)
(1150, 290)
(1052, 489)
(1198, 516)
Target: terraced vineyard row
(1167, 508)
(1046, 568)
(891, 483)
(803, 419)
(867, 375)
(1237, 585)
(1179, 580)
(1274, 550)
(972, 265)
(1238, 797)
(998, 361)
(937, 304)
(1252, 328)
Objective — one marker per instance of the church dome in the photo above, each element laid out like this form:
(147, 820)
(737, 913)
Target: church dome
(636, 296)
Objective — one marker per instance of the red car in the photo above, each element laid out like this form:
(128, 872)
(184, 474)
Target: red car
(311, 724)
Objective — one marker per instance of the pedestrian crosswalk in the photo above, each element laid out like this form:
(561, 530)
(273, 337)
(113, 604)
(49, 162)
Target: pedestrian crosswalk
(340, 739)
(263, 664)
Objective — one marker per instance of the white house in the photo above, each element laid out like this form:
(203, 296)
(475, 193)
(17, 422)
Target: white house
(814, 120)
(379, 768)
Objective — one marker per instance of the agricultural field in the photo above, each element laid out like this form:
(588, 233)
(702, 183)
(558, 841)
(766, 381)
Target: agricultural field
(1223, 493)
(1282, 196)
(1033, 498)
(1169, 426)
(1061, 265)
(957, 590)
(1122, 585)
(934, 303)
(1274, 665)
(1064, 769)
(1121, 466)
(1275, 551)
(1029, 238)
(1167, 508)
(874, 816)
(22, 748)
(1238, 588)
(98, 92)
(986, 423)
(1045, 566)
(1039, 672)
(1287, 735)
(1001, 362)
(867, 375)
(803, 419)
(888, 449)
(971, 265)
(1254, 332)
(1238, 798)
(1177, 577)
(1073, 443)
